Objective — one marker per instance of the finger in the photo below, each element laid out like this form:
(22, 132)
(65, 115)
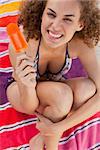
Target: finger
(28, 75)
(27, 71)
(21, 57)
(24, 64)
(31, 77)
(40, 127)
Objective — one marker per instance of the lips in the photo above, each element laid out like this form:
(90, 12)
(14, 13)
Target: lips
(54, 35)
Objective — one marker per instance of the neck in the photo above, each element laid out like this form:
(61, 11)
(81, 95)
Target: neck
(55, 49)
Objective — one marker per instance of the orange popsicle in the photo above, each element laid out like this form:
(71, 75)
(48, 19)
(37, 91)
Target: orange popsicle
(17, 38)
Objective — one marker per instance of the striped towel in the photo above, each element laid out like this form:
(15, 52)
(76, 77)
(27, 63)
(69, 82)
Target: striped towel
(17, 128)
(9, 11)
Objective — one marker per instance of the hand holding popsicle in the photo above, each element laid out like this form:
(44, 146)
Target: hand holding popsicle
(25, 70)
(18, 41)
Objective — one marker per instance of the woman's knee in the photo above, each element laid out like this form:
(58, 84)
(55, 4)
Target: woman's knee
(64, 99)
(83, 91)
(58, 95)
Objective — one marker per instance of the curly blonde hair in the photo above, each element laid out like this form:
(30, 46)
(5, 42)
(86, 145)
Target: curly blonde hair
(31, 15)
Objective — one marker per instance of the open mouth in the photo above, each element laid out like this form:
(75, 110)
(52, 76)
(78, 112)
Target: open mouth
(54, 35)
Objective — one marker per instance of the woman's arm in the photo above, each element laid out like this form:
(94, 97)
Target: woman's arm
(89, 60)
(22, 93)
(87, 110)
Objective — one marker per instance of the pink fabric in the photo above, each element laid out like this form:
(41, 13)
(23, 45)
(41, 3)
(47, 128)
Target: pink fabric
(21, 127)
(3, 35)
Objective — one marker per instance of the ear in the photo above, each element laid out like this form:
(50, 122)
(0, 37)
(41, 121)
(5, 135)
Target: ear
(80, 26)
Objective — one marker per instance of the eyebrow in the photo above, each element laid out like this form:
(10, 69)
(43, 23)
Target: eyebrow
(69, 15)
(52, 10)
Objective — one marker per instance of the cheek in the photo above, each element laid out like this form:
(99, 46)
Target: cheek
(69, 33)
(42, 27)
(70, 30)
(43, 24)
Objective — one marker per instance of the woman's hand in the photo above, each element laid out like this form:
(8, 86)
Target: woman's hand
(47, 127)
(25, 70)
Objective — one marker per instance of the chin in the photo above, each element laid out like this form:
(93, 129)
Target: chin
(53, 45)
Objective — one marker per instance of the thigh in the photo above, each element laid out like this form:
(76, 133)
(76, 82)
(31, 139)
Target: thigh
(83, 89)
(14, 97)
(54, 93)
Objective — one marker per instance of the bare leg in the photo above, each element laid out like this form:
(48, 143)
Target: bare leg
(83, 89)
(57, 99)
(53, 96)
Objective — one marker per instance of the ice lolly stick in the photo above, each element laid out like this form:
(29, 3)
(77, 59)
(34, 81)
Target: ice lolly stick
(17, 38)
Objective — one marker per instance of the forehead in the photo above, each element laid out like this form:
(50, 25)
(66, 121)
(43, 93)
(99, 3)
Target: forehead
(64, 6)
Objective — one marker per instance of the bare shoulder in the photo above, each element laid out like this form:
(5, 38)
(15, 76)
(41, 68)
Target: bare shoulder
(82, 47)
(88, 58)
(78, 47)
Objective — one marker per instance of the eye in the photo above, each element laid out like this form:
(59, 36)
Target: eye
(51, 15)
(67, 20)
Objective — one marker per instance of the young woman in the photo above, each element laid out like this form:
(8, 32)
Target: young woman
(57, 33)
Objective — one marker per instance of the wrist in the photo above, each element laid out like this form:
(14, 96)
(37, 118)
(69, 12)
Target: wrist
(62, 125)
(26, 86)
(26, 91)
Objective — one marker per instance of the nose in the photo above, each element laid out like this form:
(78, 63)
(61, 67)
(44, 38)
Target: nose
(56, 25)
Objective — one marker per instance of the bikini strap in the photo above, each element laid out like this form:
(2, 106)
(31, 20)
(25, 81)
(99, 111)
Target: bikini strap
(37, 53)
(67, 53)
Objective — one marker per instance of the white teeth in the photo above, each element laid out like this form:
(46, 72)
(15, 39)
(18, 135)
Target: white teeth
(55, 35)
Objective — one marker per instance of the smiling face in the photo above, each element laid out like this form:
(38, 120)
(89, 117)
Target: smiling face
(60, 21)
